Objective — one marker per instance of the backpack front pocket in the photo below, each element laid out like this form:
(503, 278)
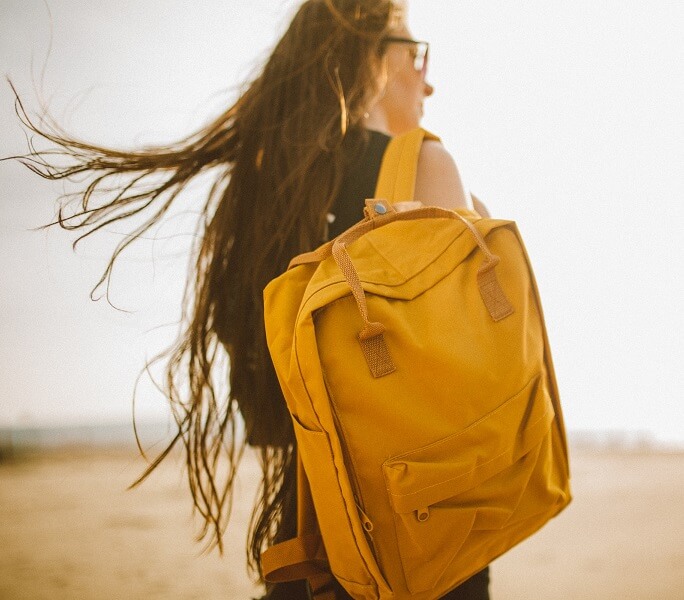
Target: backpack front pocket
(472, 483)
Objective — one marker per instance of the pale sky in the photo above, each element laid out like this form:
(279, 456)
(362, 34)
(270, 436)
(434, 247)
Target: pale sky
(564, 117)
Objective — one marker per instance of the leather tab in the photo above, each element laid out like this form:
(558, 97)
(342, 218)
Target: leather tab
(377, 355)
(377, 207)
(492, 294)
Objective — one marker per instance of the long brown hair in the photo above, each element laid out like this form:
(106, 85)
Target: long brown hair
(278, 155)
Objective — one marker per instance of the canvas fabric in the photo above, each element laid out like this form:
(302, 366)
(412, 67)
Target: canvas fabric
(414, 358)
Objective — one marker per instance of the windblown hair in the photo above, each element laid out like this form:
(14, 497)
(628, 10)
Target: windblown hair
(278, 154)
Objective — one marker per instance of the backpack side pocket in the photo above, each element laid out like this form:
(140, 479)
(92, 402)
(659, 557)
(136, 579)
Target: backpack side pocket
(337, 518)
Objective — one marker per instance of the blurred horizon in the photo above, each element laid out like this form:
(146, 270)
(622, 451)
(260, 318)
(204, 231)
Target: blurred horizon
(121, 434)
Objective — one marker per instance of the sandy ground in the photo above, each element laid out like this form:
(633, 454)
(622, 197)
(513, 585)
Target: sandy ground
(70, 530)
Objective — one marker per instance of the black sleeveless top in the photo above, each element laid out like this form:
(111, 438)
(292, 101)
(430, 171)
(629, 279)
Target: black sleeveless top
(358, 184)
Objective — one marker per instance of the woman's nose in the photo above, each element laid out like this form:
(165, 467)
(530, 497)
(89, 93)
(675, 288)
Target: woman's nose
(428, 90)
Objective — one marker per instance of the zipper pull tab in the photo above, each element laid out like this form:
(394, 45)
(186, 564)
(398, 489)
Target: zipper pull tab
(367, 523)
(423, 514)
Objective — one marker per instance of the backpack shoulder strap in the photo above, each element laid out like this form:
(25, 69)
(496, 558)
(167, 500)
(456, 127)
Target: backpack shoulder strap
(397, 179)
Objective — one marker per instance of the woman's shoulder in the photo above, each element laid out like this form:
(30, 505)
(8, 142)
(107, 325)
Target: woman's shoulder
(438, 179)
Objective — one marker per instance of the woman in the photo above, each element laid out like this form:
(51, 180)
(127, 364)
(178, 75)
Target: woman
(294, 158)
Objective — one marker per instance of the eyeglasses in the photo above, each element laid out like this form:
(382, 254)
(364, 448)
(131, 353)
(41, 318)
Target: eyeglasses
(419, 52)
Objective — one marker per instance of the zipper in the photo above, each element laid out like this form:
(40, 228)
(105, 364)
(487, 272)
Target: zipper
(356, 487)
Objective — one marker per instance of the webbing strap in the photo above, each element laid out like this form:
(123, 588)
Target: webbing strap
(299, 558)
(399, 167)
(303, 557)
(371, 336)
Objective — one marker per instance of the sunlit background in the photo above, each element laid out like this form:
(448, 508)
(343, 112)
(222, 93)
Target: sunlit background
(565, 117)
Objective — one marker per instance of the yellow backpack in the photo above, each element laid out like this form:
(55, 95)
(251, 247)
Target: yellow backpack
(413, 355)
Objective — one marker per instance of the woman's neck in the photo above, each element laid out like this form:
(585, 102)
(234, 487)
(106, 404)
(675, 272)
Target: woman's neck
(376, 120)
